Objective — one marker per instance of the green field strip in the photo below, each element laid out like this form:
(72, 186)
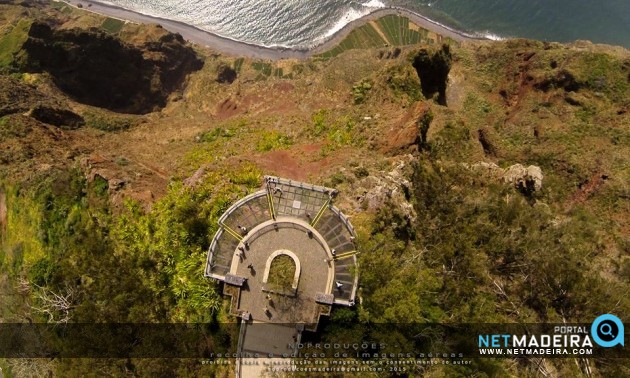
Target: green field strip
(405, 31)
(368, 42)
(238, 64)
(398, 23)
(334, 52)
(352, 42)
(404, 26)
(396, 29)
(425, 34)
(356, 41)
(391, 30)
(391, 26)
(385, 29)
(345, 45)
(375, 35)
(263, 68)
(365, 39)
(415, 36)
(112, 25)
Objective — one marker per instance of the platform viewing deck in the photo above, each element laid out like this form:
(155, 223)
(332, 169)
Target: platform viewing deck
(286, 255)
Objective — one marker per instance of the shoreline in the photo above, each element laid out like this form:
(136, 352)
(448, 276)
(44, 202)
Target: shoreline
(233, 47)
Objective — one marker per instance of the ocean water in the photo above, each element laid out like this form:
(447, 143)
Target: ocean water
(302, 24)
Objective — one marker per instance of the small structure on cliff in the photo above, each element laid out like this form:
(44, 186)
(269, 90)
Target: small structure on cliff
(286, 255)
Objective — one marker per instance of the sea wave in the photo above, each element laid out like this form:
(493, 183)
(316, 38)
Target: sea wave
(490, 36)
(374, 4)
(351, 15)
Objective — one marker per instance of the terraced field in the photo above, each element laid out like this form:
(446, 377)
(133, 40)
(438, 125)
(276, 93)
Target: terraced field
(391, 30)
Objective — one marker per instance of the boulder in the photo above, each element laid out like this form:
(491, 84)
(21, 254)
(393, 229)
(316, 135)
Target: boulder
(527, 180)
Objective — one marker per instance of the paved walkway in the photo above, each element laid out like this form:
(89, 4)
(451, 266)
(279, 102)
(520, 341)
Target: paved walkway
(314, 277)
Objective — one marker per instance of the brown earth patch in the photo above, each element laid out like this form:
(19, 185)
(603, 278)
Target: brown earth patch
(3, 213)
(227, 108)
(310, 148)
(287, 164)
(283, 86)
(587, 189)
(404, 136)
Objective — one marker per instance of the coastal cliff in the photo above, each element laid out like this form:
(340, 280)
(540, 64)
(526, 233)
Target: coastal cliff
(98, 69)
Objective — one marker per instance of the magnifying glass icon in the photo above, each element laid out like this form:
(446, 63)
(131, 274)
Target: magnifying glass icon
(606, 329)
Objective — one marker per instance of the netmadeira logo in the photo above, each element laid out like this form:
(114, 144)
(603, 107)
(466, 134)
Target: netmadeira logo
(607, 331)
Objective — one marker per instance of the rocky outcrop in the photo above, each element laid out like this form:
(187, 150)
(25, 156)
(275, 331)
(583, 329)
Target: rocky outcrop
(527, 180)
(412, 136)
(98, 69)
(387, 189)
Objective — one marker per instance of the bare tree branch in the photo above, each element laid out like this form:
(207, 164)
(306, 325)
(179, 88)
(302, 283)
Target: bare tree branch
(55, 306)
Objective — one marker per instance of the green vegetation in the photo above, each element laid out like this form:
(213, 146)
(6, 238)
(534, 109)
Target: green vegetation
(113, 25)
(267, 70)
(273, 140)
(361, 90)
(11, 43)
(337, 131)
(404, 83)
(135, 267)
(215, 134)
(478, 252)
(264, 70)
(362, 37)
(61, 229)
(391, 30)
(63, 7)
(238, 64)
(281, 273)
(109, 122)
(12, 127)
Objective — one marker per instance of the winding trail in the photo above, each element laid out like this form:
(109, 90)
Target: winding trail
(236, 48)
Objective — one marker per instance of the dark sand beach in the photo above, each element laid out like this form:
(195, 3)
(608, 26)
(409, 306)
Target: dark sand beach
(237, 48)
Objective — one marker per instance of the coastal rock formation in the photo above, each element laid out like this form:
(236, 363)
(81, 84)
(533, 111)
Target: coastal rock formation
(98, 69)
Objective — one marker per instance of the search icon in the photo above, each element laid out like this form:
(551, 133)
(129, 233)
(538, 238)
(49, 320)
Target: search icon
(610, 327)
(607, 330)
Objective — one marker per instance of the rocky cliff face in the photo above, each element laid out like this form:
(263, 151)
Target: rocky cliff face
(101, 70)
